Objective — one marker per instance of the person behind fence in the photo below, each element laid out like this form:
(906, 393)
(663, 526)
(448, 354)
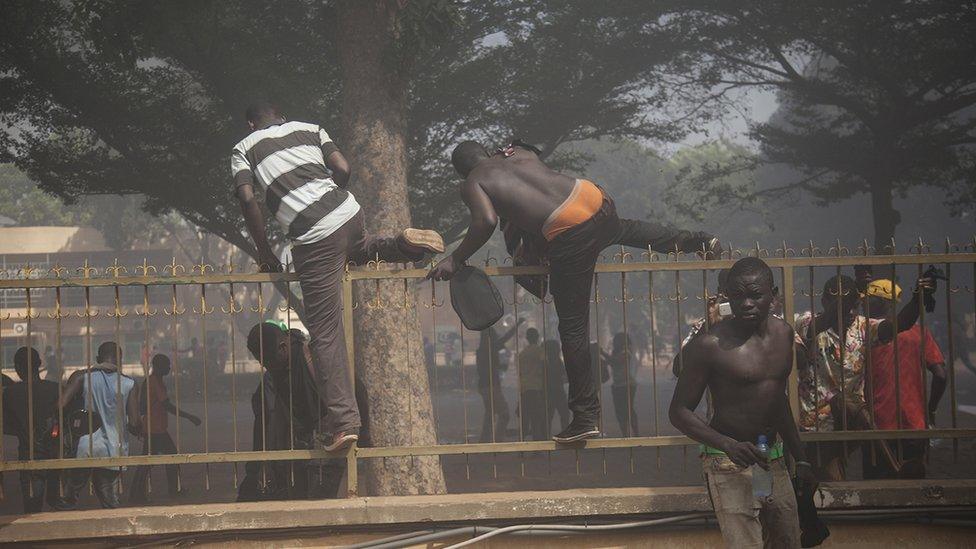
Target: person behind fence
(258, 481)
(713, 316)
(956, 326)
(51, 370)
(284, 409)
(304, 178)
(569, 221)
(556, 383)
(488, 367)
(154, 409)
(193, 352)
(532, 383)
(901, 404)
(623, 383)
(599, 361)
(222, 355)
(41, 396)
(745, 363)
(101, 397)
(831, 370)
(430, 362)
(286, 416)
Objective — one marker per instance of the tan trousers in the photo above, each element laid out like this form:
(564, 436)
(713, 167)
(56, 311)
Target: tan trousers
(745, 520)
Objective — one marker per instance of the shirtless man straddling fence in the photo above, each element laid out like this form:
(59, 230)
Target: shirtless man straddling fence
(569, 221)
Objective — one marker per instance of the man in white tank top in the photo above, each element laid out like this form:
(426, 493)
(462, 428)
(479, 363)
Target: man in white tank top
(107, 394)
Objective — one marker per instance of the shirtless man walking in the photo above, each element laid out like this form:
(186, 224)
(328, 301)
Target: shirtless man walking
(745, 363)
(568, 220)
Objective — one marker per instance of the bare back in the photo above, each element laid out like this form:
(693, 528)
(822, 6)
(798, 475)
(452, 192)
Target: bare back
(522, 189)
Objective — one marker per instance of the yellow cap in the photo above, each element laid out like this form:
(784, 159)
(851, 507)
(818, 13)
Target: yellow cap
(882, 288)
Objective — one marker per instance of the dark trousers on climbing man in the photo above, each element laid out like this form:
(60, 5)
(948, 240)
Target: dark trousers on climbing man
(572, 257)
(320, 266)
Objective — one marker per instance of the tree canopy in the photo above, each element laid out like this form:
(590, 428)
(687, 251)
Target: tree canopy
(25, 204)
(877, 97)
(112, 96)
(146, 97)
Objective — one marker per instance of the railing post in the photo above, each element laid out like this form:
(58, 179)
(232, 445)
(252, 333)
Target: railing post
(352, 474)
(789, 310)
(347, 326)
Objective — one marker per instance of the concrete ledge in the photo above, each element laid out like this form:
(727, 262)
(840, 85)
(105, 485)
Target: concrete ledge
(448, 508)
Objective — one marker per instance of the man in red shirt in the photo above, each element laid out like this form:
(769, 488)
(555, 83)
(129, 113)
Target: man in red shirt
(155, 429)
(898, 383)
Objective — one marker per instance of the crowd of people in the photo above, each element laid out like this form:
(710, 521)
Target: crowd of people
(864, 379)
(856, 371)
(541, 384)
(100, 409)
(862, 367)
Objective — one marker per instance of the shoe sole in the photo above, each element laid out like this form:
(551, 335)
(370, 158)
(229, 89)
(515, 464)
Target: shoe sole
(425, 239)
(582, 436)
(342, 443)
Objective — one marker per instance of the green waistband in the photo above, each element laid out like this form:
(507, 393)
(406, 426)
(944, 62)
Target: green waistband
(775, 451)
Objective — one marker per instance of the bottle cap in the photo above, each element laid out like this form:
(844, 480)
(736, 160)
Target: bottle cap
(763, 440)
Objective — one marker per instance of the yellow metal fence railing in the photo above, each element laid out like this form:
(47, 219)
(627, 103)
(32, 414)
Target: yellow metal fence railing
(199, 316)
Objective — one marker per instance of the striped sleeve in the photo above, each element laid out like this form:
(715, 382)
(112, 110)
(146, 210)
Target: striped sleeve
(325, 142)
(241, 168)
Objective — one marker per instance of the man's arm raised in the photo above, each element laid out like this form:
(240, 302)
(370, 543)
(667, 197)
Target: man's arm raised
(688, 393)
(908, 315)
(482, 224)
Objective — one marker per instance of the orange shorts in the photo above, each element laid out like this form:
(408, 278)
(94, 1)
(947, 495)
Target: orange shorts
(585, 200)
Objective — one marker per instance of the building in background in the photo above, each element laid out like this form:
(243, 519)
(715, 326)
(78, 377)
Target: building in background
(48, 251)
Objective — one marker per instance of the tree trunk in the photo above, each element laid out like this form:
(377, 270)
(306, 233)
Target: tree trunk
(884, 215)
(389, 351)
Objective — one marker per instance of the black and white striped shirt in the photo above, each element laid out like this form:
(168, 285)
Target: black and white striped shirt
(288, 161)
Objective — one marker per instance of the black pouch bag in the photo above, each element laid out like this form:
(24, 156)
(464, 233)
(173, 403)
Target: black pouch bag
(475, 298)
(78, 422)
(813, 531)
(76, 417)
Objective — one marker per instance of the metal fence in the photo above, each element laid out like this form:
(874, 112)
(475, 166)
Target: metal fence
(648, 297)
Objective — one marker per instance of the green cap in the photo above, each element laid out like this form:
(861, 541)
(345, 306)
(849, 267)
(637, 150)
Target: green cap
(277, 323)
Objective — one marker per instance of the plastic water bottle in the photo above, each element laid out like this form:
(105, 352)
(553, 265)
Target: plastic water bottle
(762, 480)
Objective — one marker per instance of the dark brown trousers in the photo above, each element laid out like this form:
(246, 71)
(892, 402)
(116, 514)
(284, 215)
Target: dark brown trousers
(320, 266)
